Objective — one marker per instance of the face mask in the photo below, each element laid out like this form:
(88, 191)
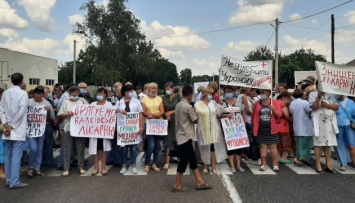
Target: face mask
(152, 94)
(168, 92)
(263, 96)
(131, 95)
(74, 98)
(229, 95)
(209, 97)
(99, 98)
(82, 91)
(49, 95)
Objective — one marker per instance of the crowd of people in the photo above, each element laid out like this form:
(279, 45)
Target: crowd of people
(285, 125)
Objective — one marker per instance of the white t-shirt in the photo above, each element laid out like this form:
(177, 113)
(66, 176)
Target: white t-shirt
(67, 107)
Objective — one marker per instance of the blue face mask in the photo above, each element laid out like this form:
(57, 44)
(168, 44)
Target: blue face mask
(99, 98)
(49, 95)
(82, 91)
(74, 98)
(131, 95)
(209, 97)
(168, 92)
(229, 95)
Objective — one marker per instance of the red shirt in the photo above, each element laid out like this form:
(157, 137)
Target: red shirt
(283, 125)
(256, 117)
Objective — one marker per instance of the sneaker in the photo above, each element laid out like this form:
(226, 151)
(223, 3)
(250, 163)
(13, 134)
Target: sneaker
(240, 169)
(232, 170)
(123, 170)
(342, 168)
(21, 185)
(258, 162)
(134, 170)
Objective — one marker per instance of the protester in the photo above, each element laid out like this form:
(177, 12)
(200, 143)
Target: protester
(2, 145)
(99, 146)
(325, 128)
(153, 108)
(170, 100)
(13, 113)
(36, 143)
(144, 93)
(116, 93)
(216, 94)
(346, 137)
(302, 127)
(285, 146)
(84, 93)
(280, 88)
(185, 135)
(130, 104)
(211, 144)
(231, 101)
(65, 113)
(266, 112)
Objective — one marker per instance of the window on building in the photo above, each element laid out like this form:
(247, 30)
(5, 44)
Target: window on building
(49, 82)
(34, 81)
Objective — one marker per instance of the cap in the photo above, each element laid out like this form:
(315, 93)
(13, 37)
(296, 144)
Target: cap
(310, 79)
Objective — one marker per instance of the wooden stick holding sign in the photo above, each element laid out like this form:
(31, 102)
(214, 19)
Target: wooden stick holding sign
(36, 120)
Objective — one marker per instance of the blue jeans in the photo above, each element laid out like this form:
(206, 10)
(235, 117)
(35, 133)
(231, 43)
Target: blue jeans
(60, 160)
(47, 154)
(133, 154)
(13, 154)
(153, 142)
(342, 149)
(35, 154)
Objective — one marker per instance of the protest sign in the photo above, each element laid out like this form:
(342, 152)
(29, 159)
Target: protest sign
(36, 120)
(93, 121)
(302, 75)
(199, 84)
(157, 127)
(235, 133)
(127, 129)
(254, 74)
(336, 79)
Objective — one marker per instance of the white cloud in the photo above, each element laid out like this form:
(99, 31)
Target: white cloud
(211, 62)
(39, 11)
(351, 17)
(170, 54)
(345, 37)
(31, 46)
(314, 21)
(9, 17)
(77, 18)
(295, 16)
(173, 36)
(68, 41)
(9, 33)
(241, 46)
(255, 11)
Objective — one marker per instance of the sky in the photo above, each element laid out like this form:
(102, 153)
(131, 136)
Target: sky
(191, 34)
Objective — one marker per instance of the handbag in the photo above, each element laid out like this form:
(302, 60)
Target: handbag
(352, 124)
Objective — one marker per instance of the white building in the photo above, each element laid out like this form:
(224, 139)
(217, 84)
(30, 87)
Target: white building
(37, 70)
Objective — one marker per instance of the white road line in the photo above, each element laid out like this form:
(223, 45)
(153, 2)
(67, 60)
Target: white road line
(302, 170)
(173, 167)
(88, 172)
(139, 166)
(233, 194)
(336, 166)
(223, 168)
(255, 169)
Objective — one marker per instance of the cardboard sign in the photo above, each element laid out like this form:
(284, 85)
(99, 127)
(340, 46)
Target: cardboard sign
(235, 133)
(127, 129)
(199, 84)
(232, 109)
(157, 127)
(254, 74)
(36, 120)
(336, 79)
(93, 121)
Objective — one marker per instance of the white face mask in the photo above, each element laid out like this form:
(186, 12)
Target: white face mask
(263, 96)
(152, 94)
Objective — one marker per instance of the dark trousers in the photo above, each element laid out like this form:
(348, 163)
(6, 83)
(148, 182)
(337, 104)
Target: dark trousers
(187, 155)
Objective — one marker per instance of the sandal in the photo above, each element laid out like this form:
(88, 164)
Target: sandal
(204, 186)
(30, 173)
(39, 173)
(65, 173)
(155, 168)
(166, 167)
(103, 172)
(262, 168)
(214, 171)
(94, 173)
(275, 168)
(182, 189)
(146, 169)
(205, 170)
(82, 172)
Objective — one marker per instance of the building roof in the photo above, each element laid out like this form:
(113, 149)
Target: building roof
(28, 54)
(351, 63)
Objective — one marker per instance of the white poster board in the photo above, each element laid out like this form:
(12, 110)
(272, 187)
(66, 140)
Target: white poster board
(36, 120)
(235, 132)
(127, 129)
(157, 127)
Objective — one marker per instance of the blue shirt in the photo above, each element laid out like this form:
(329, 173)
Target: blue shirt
(302, 122)
(346, 112)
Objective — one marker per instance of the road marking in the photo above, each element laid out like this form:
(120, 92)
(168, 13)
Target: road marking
(336, 166)
(173, 169)
(88, 172)
(302, 170)
(255, 169)
(223, 168)
(139, 166)
(233, 194)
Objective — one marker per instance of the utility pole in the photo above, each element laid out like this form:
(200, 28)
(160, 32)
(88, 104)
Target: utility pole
(332, 30)
(74, 65)
(277, 51)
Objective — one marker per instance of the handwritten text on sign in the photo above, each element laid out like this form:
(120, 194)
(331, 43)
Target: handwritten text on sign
(93, 121)
(235, 133)
(36, 120)
(127, 129)
(157, 127)
(256, 74)
(336, 79)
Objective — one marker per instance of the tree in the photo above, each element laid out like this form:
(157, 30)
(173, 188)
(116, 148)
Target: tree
(185, 76)
(261, 52)
(204, 78)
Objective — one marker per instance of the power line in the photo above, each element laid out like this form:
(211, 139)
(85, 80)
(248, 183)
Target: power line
(318, 12)
(272, 34)
(288, 44)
